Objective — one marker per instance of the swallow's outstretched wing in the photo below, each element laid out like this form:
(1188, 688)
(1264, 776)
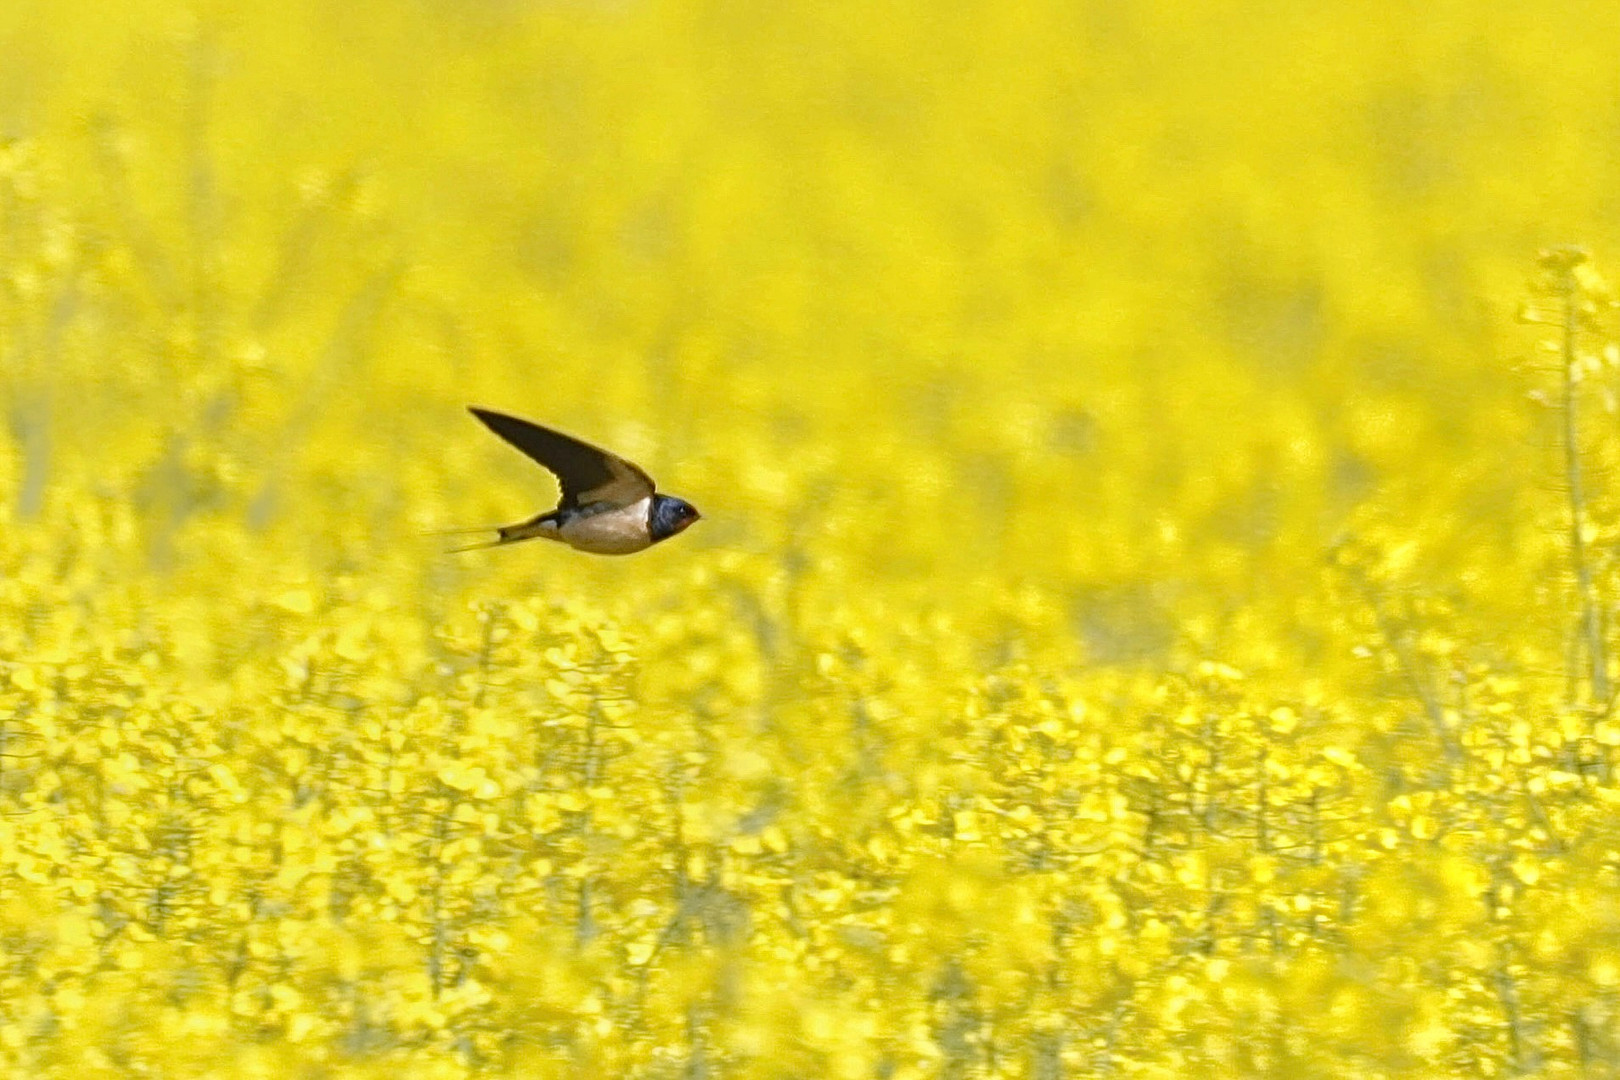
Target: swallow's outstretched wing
(588, 475)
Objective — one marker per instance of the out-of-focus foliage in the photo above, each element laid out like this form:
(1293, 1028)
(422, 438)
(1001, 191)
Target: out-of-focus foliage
(1155, 608)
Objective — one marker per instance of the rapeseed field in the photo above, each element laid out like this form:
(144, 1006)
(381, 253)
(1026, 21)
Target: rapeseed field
(1156, 607)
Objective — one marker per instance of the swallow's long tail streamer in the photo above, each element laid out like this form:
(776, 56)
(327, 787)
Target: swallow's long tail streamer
(477, 547)
(497, 542)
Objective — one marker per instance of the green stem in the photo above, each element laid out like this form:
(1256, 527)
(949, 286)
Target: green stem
(1591, 619)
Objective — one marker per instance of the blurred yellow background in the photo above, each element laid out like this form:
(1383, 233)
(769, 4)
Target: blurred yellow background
(1137, 626)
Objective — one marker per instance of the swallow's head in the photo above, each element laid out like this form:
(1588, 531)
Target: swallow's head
(669, 515)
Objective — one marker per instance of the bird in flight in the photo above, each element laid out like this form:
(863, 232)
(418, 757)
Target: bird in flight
(608, 505)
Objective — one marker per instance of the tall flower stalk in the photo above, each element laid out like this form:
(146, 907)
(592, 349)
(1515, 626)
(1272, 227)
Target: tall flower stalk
(1574, 293)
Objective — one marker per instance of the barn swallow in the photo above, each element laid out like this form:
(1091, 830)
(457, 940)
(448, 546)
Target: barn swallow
(609, 506)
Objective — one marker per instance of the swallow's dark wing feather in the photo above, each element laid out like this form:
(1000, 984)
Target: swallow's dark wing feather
(587, 473)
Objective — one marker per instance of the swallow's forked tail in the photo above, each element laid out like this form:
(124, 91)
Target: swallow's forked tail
(497, 542)
(504, 534)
